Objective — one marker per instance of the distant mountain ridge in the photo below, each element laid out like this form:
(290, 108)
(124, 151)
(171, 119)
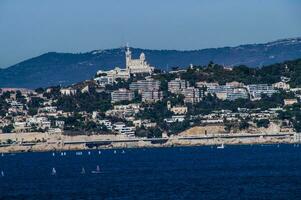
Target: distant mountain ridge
(66, 68)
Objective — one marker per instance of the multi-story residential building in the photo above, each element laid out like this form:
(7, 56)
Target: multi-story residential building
(257, 90)
(124, 111)
(122, 95)
(237, 93)
(220, 89)
(191, 94)
(152, 96)
(109, 77)
(121, 128)
(177, 85)
(40, 122)
(104, 80)
(202, 84)
(145, 85)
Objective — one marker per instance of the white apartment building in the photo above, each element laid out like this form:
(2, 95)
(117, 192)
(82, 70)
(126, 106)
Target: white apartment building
(177, 85)
(257, 90)
(191, 94)
(122, 95)
(145, 85)
(238, 93)
(121, 128)
(109, 77)
(152, 96)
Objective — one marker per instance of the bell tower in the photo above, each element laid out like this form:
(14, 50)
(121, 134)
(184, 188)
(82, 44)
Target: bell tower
(128, 56)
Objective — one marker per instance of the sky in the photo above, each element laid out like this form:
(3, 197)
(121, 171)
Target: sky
(29, 28)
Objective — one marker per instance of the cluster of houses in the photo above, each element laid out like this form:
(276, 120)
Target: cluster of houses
(48, 117)
(18, 113)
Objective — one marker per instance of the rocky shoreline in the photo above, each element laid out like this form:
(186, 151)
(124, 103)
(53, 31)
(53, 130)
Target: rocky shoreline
(66, 143)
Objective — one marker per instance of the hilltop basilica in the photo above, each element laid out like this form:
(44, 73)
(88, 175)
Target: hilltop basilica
(136, 66)
(133, 66)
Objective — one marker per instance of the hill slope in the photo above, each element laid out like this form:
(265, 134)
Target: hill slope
(66, 68)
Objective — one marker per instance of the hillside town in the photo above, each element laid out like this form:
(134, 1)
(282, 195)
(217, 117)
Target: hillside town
(140, 101)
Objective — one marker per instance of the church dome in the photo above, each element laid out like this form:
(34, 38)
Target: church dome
(142, 56)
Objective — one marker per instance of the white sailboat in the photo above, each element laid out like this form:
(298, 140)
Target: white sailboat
(2, 173)
(83, 171)
(53, 172)
(97, 171)
(222, 146)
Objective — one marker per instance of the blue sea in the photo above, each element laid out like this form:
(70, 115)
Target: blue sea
(235, 172)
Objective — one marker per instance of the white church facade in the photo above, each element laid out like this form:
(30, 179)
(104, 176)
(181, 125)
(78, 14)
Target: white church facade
(133, 66)
(137, 66)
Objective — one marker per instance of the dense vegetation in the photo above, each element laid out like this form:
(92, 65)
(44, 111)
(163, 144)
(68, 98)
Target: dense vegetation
(268, 74)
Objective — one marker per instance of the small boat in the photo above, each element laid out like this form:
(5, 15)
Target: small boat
(115, 151)
(97, 171)
(222, 146)
(53, 154)
(123, 152)
(2, 154)
(83, 171)
(2, 173)
(64, 153)
(79, 153)
(89, 153)
(53, 173)
(99, 152)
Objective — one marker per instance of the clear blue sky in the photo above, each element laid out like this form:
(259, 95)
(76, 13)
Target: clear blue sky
(29, 28)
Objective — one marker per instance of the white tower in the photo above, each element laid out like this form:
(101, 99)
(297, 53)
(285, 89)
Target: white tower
(128, 56)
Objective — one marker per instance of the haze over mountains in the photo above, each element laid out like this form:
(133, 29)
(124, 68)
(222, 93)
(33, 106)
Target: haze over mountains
(66, 68)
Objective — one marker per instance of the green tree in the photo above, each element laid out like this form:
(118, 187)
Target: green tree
(8, 128)
(263, 123)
